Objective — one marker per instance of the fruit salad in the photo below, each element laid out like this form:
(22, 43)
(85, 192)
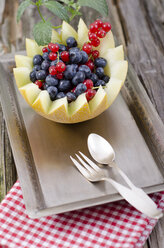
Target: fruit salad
(75, 77)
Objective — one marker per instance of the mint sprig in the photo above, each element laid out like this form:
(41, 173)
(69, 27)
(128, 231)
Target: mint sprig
(42, 32)
(22, 8)
(64, 9)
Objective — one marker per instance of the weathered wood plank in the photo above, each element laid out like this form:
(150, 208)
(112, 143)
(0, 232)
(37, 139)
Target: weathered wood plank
(143, 52)
(8, 173)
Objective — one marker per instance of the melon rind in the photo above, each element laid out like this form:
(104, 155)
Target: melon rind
(79, 110)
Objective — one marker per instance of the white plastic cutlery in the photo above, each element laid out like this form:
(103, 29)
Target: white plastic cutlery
(103, 153)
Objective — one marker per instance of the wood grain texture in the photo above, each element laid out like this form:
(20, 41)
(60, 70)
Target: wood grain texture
(136, 24)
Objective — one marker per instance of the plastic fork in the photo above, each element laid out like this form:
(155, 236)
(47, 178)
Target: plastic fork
(94, 173)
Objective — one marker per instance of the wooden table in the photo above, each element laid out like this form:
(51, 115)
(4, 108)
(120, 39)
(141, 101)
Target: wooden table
(136, 24)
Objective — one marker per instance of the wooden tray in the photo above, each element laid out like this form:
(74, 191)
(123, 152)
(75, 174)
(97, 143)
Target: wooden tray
(41, 148)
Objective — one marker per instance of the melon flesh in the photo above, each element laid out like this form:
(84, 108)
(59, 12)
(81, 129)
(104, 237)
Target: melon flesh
(67, 31)
(55, 37)
(22, 76)
(99, 103)
(32, 48)
(82, 33)
(119, 70)
(112, 55)
(24, 61)
(113, 88)
(30, 92)
(59, 111)
(42, 103)
(106, 43)
(79, 110)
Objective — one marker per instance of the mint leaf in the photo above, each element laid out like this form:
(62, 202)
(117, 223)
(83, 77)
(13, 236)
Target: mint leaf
(22, 8)
(57, 9)
(42, 32)
(99, 5)
(65, 1)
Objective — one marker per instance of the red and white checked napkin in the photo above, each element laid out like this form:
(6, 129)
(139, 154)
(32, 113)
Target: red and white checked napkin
(113, 225)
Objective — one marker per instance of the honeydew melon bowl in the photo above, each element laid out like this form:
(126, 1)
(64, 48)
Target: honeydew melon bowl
(80, 110)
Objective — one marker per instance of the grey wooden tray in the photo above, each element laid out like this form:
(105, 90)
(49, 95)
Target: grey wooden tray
(41, 148)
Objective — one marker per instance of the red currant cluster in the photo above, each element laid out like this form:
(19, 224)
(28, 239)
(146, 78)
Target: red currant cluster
(57, 70)
(97, 30)
(60, 67)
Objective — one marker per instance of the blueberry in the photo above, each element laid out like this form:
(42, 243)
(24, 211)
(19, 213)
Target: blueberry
(100, 72)
(100, 82)
(71, 97)
(54, 62)
(37, 59)
(62, 48)
(86, 70)
(106, 79)
(100, 62)
(71, 42)
(64, 85)
(45, 86)
(70, 71)
(45, 65)
(52, 90)
(51, 81)
(37, 68)
(75, 57)
(94, 78)
(74, 49)
(33, 76)
(78, 78)
(60, 95)
(80, 88)
(45, 56)
(41, 75)
(84, 57)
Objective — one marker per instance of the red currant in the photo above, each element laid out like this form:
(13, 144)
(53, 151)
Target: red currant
(99, 23)
(53, 70)
(52, 56)
(39, 83)
(60, 75)
(49, 45)
(90, 94)
(92, 36)
(60, 67)
(88, 83)
(73, 90)
(87, 47)
(65, 56)
(93, 28)
(95, 54)
(90, 64)
(106, 26)
(45, 50)
(54, 48)
(95, 43)
(101, 33)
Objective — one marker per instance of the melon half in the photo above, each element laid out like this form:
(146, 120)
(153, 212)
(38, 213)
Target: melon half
(79, 110)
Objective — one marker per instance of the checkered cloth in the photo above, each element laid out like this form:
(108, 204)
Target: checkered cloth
(111, 225)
